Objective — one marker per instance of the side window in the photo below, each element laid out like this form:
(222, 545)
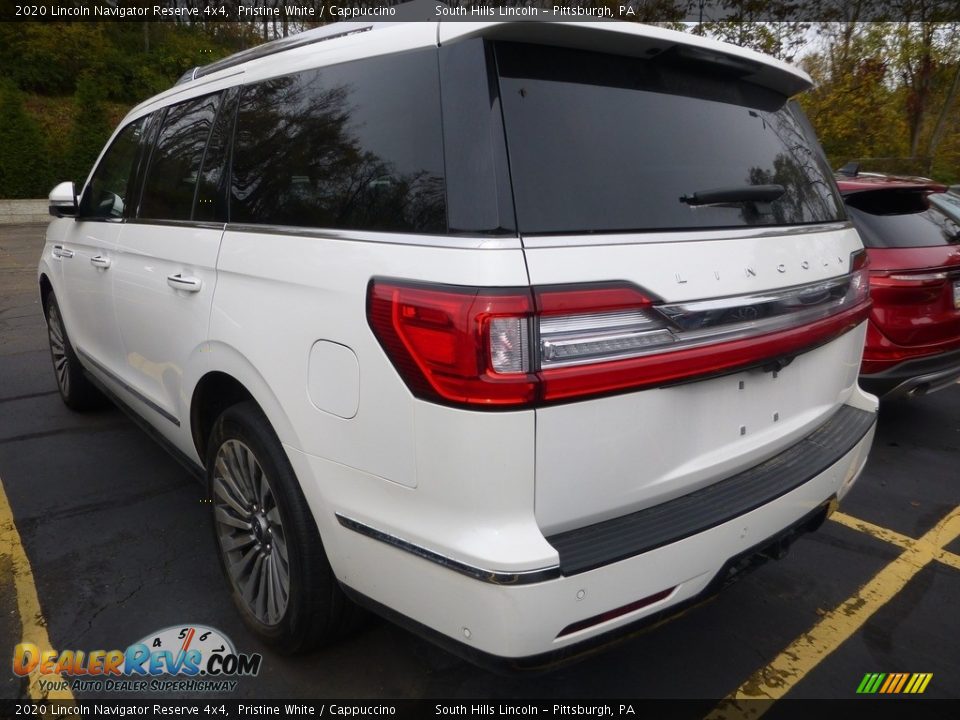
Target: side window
(110, 186)
(211, 201)
(171, 179)
(357, 146)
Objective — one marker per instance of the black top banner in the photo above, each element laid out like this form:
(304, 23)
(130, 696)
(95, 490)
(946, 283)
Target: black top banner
(573, 709)
(313, 12)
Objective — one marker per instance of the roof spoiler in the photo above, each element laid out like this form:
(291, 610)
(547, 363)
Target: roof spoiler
(638, 40)
(851, 169)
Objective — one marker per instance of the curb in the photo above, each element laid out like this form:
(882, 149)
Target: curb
(22, 212)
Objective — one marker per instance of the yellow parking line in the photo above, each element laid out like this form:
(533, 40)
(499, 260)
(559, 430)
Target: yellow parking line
(881, 533)
(949, 558)
(772, 682)
(33, 624)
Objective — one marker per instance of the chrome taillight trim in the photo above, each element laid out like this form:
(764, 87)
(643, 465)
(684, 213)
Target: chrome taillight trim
(631, 344)
(775, 310)
(676, 326)
(737, 301)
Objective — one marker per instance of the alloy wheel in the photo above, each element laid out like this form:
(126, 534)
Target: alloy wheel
(58, 349)
(250, 532)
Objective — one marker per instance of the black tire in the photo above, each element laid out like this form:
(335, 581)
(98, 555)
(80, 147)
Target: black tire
(75, 388)
(281, 527)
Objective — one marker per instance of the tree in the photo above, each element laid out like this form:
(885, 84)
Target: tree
(855, 105)
(90, 131)
(914, 53)
(945, 112)
(886, 91)
(24, 161)
(768, 26)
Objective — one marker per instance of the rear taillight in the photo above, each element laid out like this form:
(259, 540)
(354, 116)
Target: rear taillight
(510, 348)
(458, 345)
(913, 279)
(907, 288)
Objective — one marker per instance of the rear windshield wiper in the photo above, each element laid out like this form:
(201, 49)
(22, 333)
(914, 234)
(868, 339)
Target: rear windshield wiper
(733, 194)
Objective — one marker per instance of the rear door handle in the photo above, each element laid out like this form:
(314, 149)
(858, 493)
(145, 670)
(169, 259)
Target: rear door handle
(187, 284)
(59, 251)
(100, 261)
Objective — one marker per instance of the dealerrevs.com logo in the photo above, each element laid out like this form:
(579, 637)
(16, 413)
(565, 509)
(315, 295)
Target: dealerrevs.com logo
(180, 658)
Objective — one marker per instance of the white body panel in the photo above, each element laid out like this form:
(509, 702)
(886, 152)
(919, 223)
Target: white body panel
(87, 303)
(311, 289)
(163, 328)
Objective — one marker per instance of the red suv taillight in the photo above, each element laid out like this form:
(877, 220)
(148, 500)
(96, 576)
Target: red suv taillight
(459, 345)
(520, 347)
(908, 288)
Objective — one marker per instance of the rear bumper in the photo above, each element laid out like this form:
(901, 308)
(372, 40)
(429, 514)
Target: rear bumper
(737, 566)
(555, 611)
(915, 377)
(605, 542)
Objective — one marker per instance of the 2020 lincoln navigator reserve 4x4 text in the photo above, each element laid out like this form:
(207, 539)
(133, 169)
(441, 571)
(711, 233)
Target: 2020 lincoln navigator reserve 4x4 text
(521, 332)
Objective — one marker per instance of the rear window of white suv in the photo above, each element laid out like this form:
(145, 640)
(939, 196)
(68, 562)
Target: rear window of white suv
(603, 143)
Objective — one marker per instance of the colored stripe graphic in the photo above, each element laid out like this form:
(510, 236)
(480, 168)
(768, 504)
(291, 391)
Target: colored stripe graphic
(903, 681)
(893, 677)
(894, 683)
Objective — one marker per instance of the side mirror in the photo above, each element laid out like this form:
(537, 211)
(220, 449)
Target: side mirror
(63, 200)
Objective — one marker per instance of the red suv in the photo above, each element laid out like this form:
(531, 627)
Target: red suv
(911, 229)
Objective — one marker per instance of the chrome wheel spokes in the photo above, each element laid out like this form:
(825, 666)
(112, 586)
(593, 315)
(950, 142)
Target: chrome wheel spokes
(250, 532)
(58, 349)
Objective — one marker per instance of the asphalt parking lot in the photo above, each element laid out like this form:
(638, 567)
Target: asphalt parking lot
(118, 545)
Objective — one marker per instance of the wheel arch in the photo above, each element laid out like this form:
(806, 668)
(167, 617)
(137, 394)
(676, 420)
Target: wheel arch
(232, 381)
(46, 288)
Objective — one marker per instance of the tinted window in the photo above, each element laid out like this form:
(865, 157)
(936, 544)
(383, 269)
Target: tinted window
(904, 218)
(605, 143)
(357, 145)
(211, 200)
(479, 197)
(110, 187)
(171, 179)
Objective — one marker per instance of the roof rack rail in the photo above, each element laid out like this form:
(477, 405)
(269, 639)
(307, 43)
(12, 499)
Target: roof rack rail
(187, 76)
(308, 37)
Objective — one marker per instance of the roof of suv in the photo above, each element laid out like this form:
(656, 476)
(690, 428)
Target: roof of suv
(345, 41)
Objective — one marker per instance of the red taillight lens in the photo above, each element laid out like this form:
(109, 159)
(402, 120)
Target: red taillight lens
(906, 288)
(510, 348)
(454, 344)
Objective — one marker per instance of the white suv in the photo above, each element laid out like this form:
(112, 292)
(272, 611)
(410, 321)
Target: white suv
(520, 332)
